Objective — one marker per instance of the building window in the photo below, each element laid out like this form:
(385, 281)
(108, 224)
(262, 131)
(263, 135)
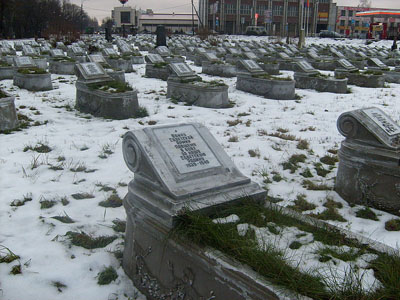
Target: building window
(341, 22)
(357, 23)
(343, 13)
(341, 31)
(245, 9)
(231, 9)
(277, 10)
(350, 13)
(292, 11)
(261, 9)
(125, 17)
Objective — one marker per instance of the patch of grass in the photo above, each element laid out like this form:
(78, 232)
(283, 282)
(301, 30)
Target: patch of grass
(329, 160)
(301, 204)
(233, 139)
(39, 147)
(254, 153)
(141, 112)
(243, 114)
(312, 186)
(81, 239)
(232, 123)
(58, 285)
(7, 256)
(64, 219)
(111, 86)
(18, 202)
(15, 270)
(303, 144)
(64, 201)
(105, 188)
(81, 196)
(106, 150)
(107, 276)
(331, 214)
(112, 201)
(277, 177)
(307, 173)
(393, 225)
(293, 163)
(283, 130)
(152, 122)
(283, 136)
(350, 255)
(387, 271)
(367, 213)
(119, 226)
(330, 203)
(46, 204)
(33, 70)
(295, 245)
(321, 171)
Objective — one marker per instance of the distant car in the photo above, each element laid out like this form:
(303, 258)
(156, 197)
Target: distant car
(330, 34)
(255, 30)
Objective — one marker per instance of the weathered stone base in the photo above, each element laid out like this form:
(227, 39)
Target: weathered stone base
(222, 70)
(41, 63)
(116, 75)
(199, 95)
(272, 89)
(363, 80)
(120, 64)
(164, 268)
(174, 59)
(107, 105)
(271, 69)
(79, 58)
(159, 73)
(8, 114)
(324, 65)
(320, 84)
(7, 72)
(62, 68)
(137, 60)
(392, 77)
(359, 64)
(33, 82)
(369, 176)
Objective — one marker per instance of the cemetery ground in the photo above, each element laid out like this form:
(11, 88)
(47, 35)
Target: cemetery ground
(63, 178)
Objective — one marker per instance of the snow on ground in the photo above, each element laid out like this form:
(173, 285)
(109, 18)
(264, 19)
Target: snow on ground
(45, 253)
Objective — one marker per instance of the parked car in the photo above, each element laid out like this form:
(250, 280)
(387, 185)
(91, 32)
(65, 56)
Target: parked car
(255, 30)
(330, 34)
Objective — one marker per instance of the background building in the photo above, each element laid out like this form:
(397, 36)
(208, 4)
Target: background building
(349, 25)
(172, 22)
(280, 17)
(125, 16)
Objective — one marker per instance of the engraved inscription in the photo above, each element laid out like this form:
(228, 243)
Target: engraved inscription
(186, 149)
(92, 69)
(383, 121)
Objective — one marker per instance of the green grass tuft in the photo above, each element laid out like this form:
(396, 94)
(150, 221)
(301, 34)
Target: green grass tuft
(107, 276)
(112, 201)
(367, 213)
(393, 225)
(84, 240)
(301, 204)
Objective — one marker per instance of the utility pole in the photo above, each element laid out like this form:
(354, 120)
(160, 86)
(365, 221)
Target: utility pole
(192, 20)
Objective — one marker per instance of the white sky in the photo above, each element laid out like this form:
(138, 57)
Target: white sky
(102, 8)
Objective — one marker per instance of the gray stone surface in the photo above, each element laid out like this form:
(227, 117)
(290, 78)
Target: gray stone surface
(62, 67)
(270, 68)
(33, 82)
(41, 63)
(104, 104)
(8, 114)
(392, 76)
(219, 69)
(157, 72)
(7, 72)
(361, 79)
(120, 64)
(368, 170)
(266, 87)
(320, 84)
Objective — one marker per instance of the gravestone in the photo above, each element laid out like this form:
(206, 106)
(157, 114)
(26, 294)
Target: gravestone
(8, 113)
(92, 71)
(161, 36)
(24, 62)
(305, 67)
(368, 170)
(250, 55)
(97, 58)
(233, 51)
(126, 49)
(345, 64)
(284, 56)
(57, 53)
(76, 50)
(182, 70)
(250, 66)
(163, 51)
(110, 52)
(27, 50)
(154, 58)
(211, 57)
(377, 63)
(178, 168)
(221, 50)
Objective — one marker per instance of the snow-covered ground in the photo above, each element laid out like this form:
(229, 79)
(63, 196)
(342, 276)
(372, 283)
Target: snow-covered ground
(46, 254)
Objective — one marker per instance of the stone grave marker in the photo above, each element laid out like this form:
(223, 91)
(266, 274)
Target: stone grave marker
(344, 63)
(24, 62)
(57, 53)
(126, 49)
(76, 50)
(200, 50)
(163, 51)
(262, 51)
(250, 55)
(284, 56)
(221, 50)
(288, 52)
(305, 67)
(154, 58)
(110, 52)
(92, 71)
(27, 50)
(97, 58)
(182, 70)
(337, 53)
(246, 49)
(250, 66)
(211, 57)
(233, 51)
(376, 62)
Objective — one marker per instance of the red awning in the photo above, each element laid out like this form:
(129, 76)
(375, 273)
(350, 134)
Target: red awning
(380, 14)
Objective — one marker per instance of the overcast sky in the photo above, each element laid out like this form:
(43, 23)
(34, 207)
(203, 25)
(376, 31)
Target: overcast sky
(102, 8)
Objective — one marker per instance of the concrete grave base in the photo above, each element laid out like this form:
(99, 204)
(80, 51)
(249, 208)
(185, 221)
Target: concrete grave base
(107, 105)
(359, 64)
(174, 59)
(360, 79)
(163, 268)
(137, 60)
(120, 64)
(33, 82)
(62, 67)
(116, 75)
(222, 70)
(7, 72)
(79, 58)
(8, 114)
(324, 65)
(159, 73)
(198, 93)
(286, 65)
(272, 89)
(392, 76)
(320, 84)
